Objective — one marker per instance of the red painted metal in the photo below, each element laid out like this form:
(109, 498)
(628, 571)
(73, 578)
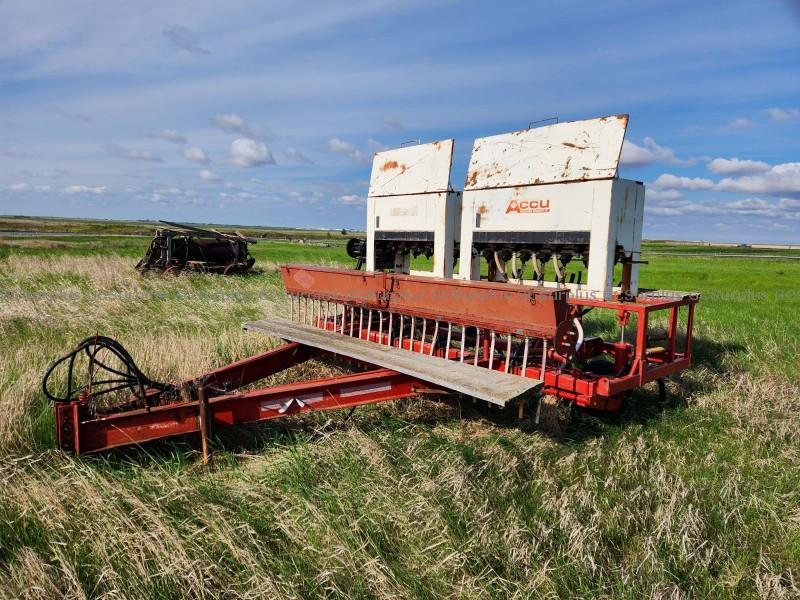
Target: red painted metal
(406, 343)
(586, 390)
(80, 431)
(495, 306)
(512, 313)
(143, 425)
(250, 370)
(499, 306)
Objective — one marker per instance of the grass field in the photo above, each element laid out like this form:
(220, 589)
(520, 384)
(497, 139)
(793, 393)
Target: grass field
(698, 498)
(91, 227)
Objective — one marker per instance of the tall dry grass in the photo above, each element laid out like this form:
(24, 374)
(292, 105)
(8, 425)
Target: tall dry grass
(417, 498)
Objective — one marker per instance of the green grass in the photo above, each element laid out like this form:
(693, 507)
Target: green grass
(424, 498)
(105, 227)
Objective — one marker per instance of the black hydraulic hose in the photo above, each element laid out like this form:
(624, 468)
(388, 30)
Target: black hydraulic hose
(129, 376)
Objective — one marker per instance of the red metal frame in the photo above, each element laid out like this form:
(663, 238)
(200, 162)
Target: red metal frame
(588, 390)
(605, 393)
(215, 399)
(532, 311)
(80, 431)
(513, 310)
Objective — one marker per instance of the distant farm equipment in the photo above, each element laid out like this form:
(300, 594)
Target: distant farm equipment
(188, 248)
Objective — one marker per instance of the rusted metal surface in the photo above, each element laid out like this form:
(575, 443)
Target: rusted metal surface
(572, 151)
(420, 169)
(190, 248)
(553, 193)
(475, 360)
(561, 358)
(504, 308)
(83, 406)
(491, 386)
(362, 306)
(601, 220)
(411, 209)
(81, 432)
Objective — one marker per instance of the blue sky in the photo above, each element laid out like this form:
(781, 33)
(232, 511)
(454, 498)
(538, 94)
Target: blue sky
(267, 113)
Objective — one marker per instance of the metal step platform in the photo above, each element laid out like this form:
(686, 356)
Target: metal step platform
(492, 386)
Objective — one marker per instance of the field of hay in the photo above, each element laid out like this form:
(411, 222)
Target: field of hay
(698, 498)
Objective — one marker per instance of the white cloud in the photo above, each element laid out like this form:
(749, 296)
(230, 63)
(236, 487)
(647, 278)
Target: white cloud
(72, 116)
(47, 173)
(85, 189)
(231, 122)
(668, 181)
(657, 195)
(15, 153)
(184, 38)
(392, 123)
(748, 205)
(663, 211)
(783, 114)
(134, 154)
(235, 123)
(207, 175)
(196, 155)
(294, 155)
(376, 145)
(250, 153)
(734, 166)
(789, 204)
(782, 210)
(305, 196)
(780, 180)
(634, 155)
(739, 123)
(684, 207)
(16, 187)
(174, 195)
(170, 135)
(666, 155)
(785, 209)
(352, 200)
(358, 157)
(338, 146)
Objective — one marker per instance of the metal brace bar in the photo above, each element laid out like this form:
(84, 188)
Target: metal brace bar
(525, 357)
(449, 339)
(491, 350)
(434, 339)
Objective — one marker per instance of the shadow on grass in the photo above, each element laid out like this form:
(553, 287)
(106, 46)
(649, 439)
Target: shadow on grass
(561, 422)
(643, 404)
